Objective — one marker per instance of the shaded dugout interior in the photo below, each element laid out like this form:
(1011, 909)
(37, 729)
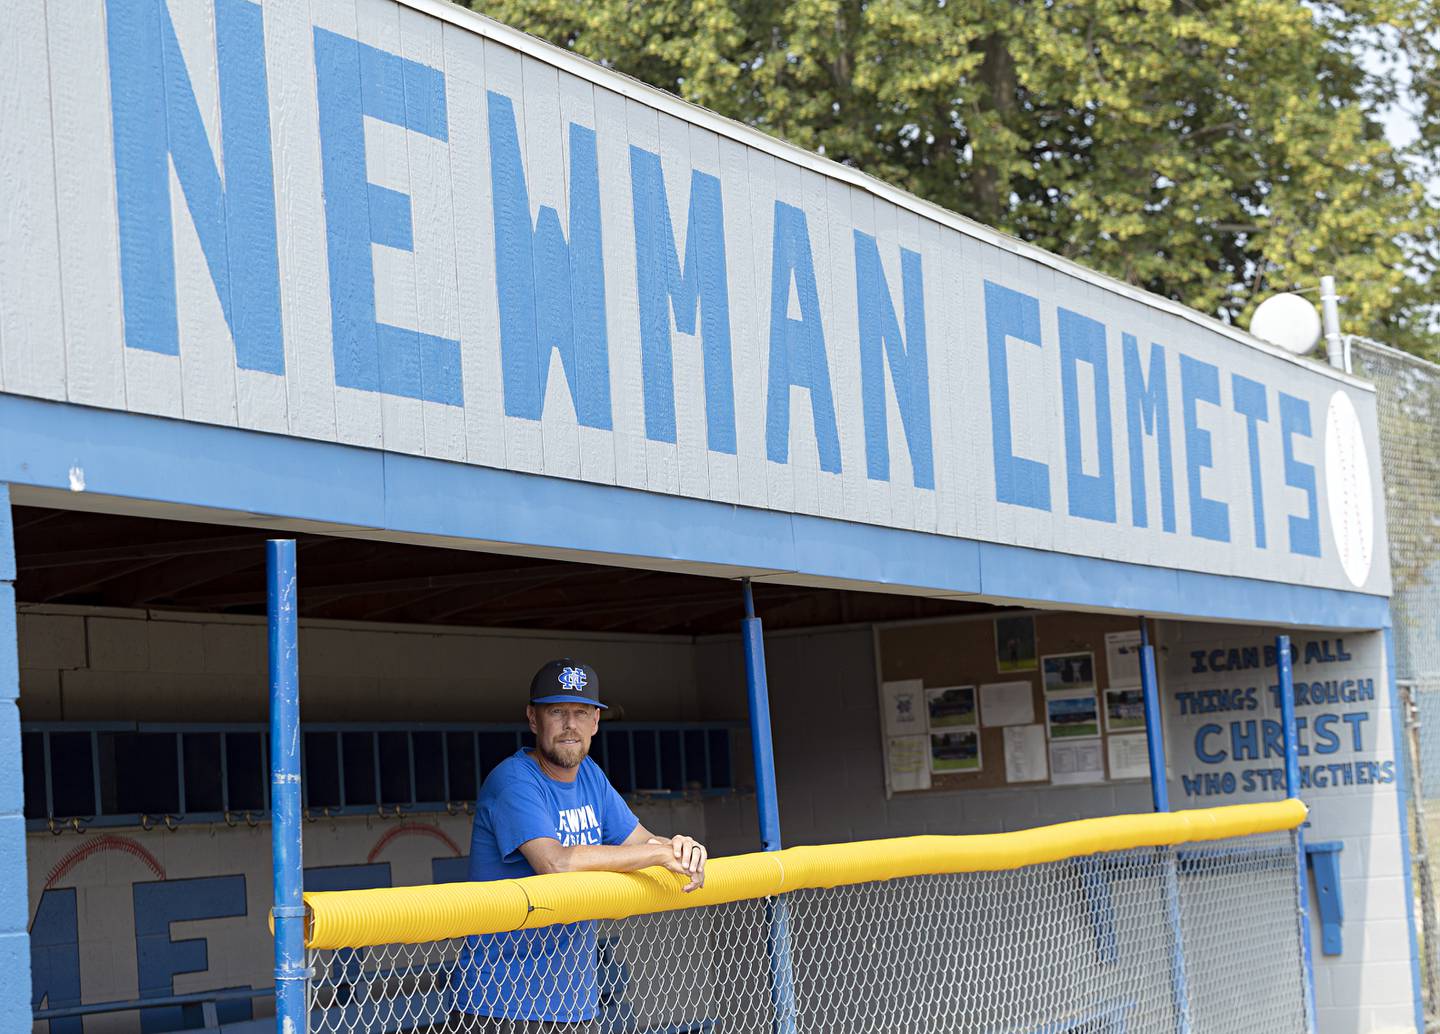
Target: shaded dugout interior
(134, 629)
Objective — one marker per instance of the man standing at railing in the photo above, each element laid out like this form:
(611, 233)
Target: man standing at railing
(551, 810)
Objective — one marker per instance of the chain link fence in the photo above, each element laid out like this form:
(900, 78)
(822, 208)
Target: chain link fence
(1203, 937)
(1408, 400)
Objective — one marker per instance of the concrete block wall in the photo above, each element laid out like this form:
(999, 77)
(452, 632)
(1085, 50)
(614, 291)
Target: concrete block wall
(93, 664)
(14, 916)
(1371, 982)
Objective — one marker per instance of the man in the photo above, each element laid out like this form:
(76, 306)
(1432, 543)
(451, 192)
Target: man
(551, 809)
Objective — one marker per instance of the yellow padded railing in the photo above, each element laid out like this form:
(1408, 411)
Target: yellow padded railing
(413, 915)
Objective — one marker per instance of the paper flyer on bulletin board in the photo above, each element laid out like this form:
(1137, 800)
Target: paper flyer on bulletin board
(1007, 703)
(909, 761)
(1122, 657)
(903, 702)
(1077, 762)
(1129, 757)
(1025, 754)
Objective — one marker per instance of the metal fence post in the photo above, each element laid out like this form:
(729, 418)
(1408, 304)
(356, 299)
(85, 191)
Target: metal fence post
(767, 807)
(285, 835)
(1160, 797)
(1283, 666)
(1420, 854)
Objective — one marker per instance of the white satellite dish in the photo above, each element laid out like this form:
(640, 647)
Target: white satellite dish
(1287, 320)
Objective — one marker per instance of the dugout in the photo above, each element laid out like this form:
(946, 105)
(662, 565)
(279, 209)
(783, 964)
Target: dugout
(142, 707)
(531, 358)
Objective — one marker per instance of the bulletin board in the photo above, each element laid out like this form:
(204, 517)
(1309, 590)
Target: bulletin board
(1021, 699)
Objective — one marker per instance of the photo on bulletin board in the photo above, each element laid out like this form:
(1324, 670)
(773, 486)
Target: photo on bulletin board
(1067, 671)
(951, 706)
(1124, 710)
(1072, 717)
(957, 750)
(1015, 644)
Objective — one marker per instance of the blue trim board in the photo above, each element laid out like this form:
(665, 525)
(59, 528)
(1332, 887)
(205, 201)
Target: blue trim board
(162, 460)
(1402, 800)
(14, 890)
(1015, 572)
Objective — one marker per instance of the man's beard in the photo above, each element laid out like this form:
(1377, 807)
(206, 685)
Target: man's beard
(562, 756)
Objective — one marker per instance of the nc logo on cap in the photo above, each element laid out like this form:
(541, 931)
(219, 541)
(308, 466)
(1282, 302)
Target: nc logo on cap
(573, 679)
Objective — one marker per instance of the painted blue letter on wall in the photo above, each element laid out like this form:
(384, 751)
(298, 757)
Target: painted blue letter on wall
(55, 957)
(797, 347)
(909, 368)
(1295, 419)
(1147, 406)
(158, 959)
(1250, 403)
(157, 123)
(661, 283)
(552, 293)
(1200, 382)
(1083, 340)
(355, 81)
(1011, 314)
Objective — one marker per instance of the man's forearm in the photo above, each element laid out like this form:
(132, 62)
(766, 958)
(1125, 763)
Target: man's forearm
(599, 857)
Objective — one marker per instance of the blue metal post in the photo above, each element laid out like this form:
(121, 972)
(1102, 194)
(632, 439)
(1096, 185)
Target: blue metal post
(1160, 797)
(767, 807)
(289, 909)
(1285, 670)
(757, 689)
(1154, 731)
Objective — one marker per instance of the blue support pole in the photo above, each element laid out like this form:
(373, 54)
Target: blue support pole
(767, 807)
(1160, 797)
(1154, 731)
(758, 692)
(15, 900)
(1285, 669)
(289, 908)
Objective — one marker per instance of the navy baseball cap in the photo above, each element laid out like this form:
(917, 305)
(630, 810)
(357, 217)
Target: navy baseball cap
(566, 681)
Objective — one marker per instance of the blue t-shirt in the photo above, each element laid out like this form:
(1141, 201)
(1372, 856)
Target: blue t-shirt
(549, 973)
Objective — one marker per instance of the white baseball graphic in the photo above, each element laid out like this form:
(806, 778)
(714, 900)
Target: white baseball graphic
(1351, 501)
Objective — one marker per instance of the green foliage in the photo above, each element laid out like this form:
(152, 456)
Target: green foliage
(1212, 151)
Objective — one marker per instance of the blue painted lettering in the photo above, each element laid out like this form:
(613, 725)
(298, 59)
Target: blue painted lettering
(157, 123)
(159, 959)
(1202, 750)
(1200, 382)
(1295, 420)
(1010, 314)
(355, 81)
(55, 957)
(552, 293)
(797, 347)
(1326, 741)
(880, 331)
(1250, 403)
(1083, 340)
(663, 285)
(1147, 403)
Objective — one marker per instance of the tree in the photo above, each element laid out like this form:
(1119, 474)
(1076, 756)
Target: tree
(1212, 151)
